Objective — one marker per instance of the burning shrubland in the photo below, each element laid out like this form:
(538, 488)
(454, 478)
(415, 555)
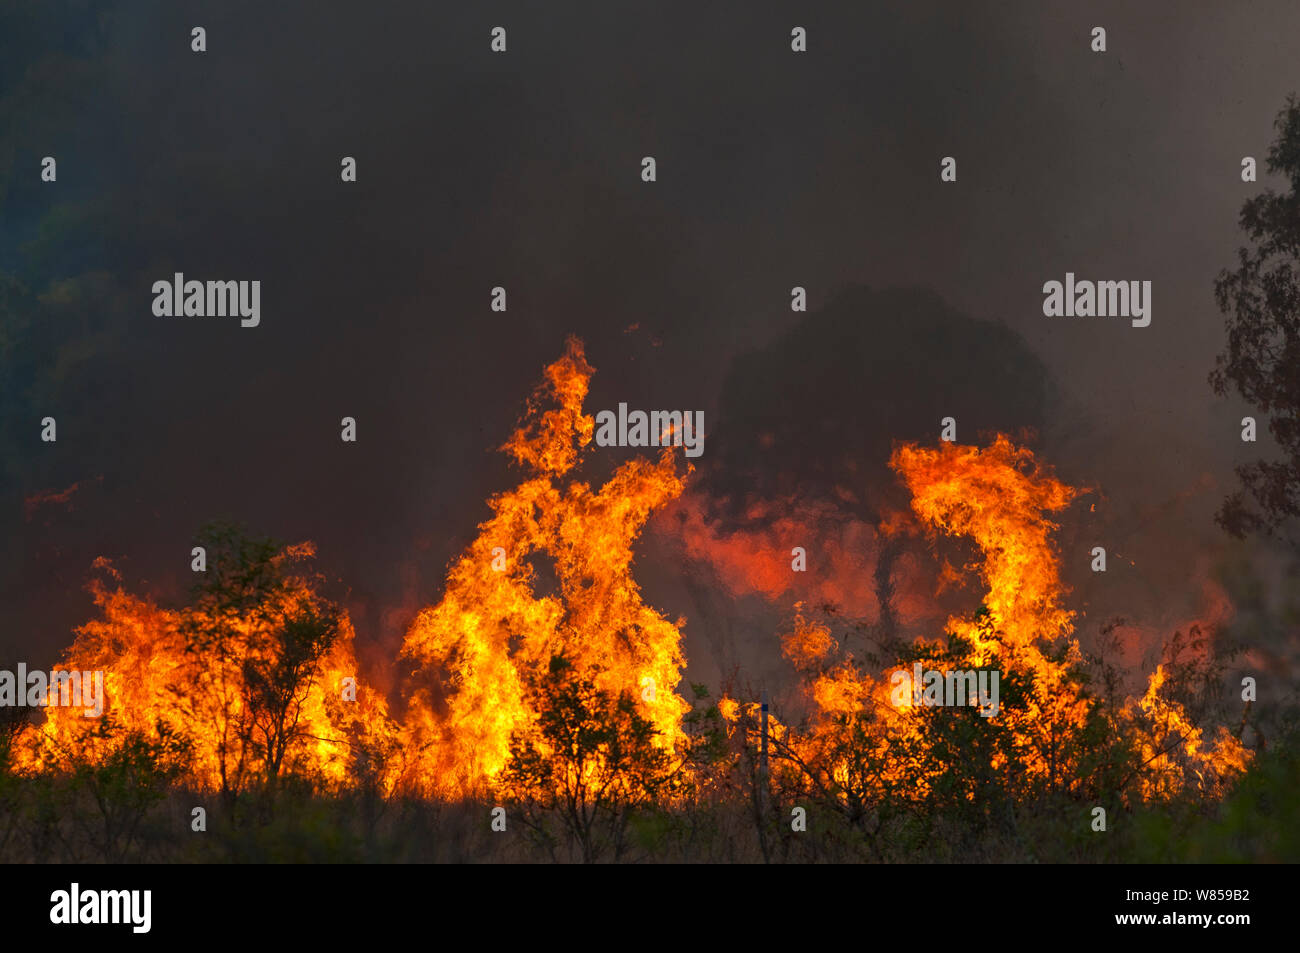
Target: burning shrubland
(889, 741)
(248, 682)
(542, 695)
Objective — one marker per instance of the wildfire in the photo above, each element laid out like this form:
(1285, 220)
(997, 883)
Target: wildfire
(1175, 749)
(157, 684)
(1002, 499)
(550, 576)
(481, 652)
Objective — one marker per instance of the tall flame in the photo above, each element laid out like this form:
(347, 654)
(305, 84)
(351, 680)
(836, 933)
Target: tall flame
(550, 574)
(479, 653)
(1002, 499)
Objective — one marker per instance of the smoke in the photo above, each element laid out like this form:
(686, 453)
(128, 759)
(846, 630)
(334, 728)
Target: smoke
(799, 459)
(816, 412)
(521, 170)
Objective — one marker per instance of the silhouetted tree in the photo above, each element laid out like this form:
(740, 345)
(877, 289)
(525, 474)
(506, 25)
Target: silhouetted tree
(589, 760)
(1261, 299)
(123, 774)
(262, 637)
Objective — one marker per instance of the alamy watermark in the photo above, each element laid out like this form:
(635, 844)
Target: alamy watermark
(60, 688)
(1102, 299)
(658, 428)
(130, 907)
(198, 299)
(932, 687)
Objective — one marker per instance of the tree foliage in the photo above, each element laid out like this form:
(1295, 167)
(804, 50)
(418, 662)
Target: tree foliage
(591, 759)
(1261, 298)
(263, 640)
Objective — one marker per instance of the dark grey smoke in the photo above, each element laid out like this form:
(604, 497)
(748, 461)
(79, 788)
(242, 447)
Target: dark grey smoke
(521, 170)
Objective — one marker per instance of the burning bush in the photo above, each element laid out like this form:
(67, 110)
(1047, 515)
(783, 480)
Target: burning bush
(588, 761)
(249, 676)
(871, 753)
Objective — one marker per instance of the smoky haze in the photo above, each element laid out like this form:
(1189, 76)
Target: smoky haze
(523, 170)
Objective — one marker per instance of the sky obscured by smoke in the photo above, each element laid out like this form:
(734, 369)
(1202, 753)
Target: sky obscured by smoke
(522, 170)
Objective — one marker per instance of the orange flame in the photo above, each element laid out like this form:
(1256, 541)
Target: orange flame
(479, 652)
(550, 574)
(1001, 498)
(154, 683)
